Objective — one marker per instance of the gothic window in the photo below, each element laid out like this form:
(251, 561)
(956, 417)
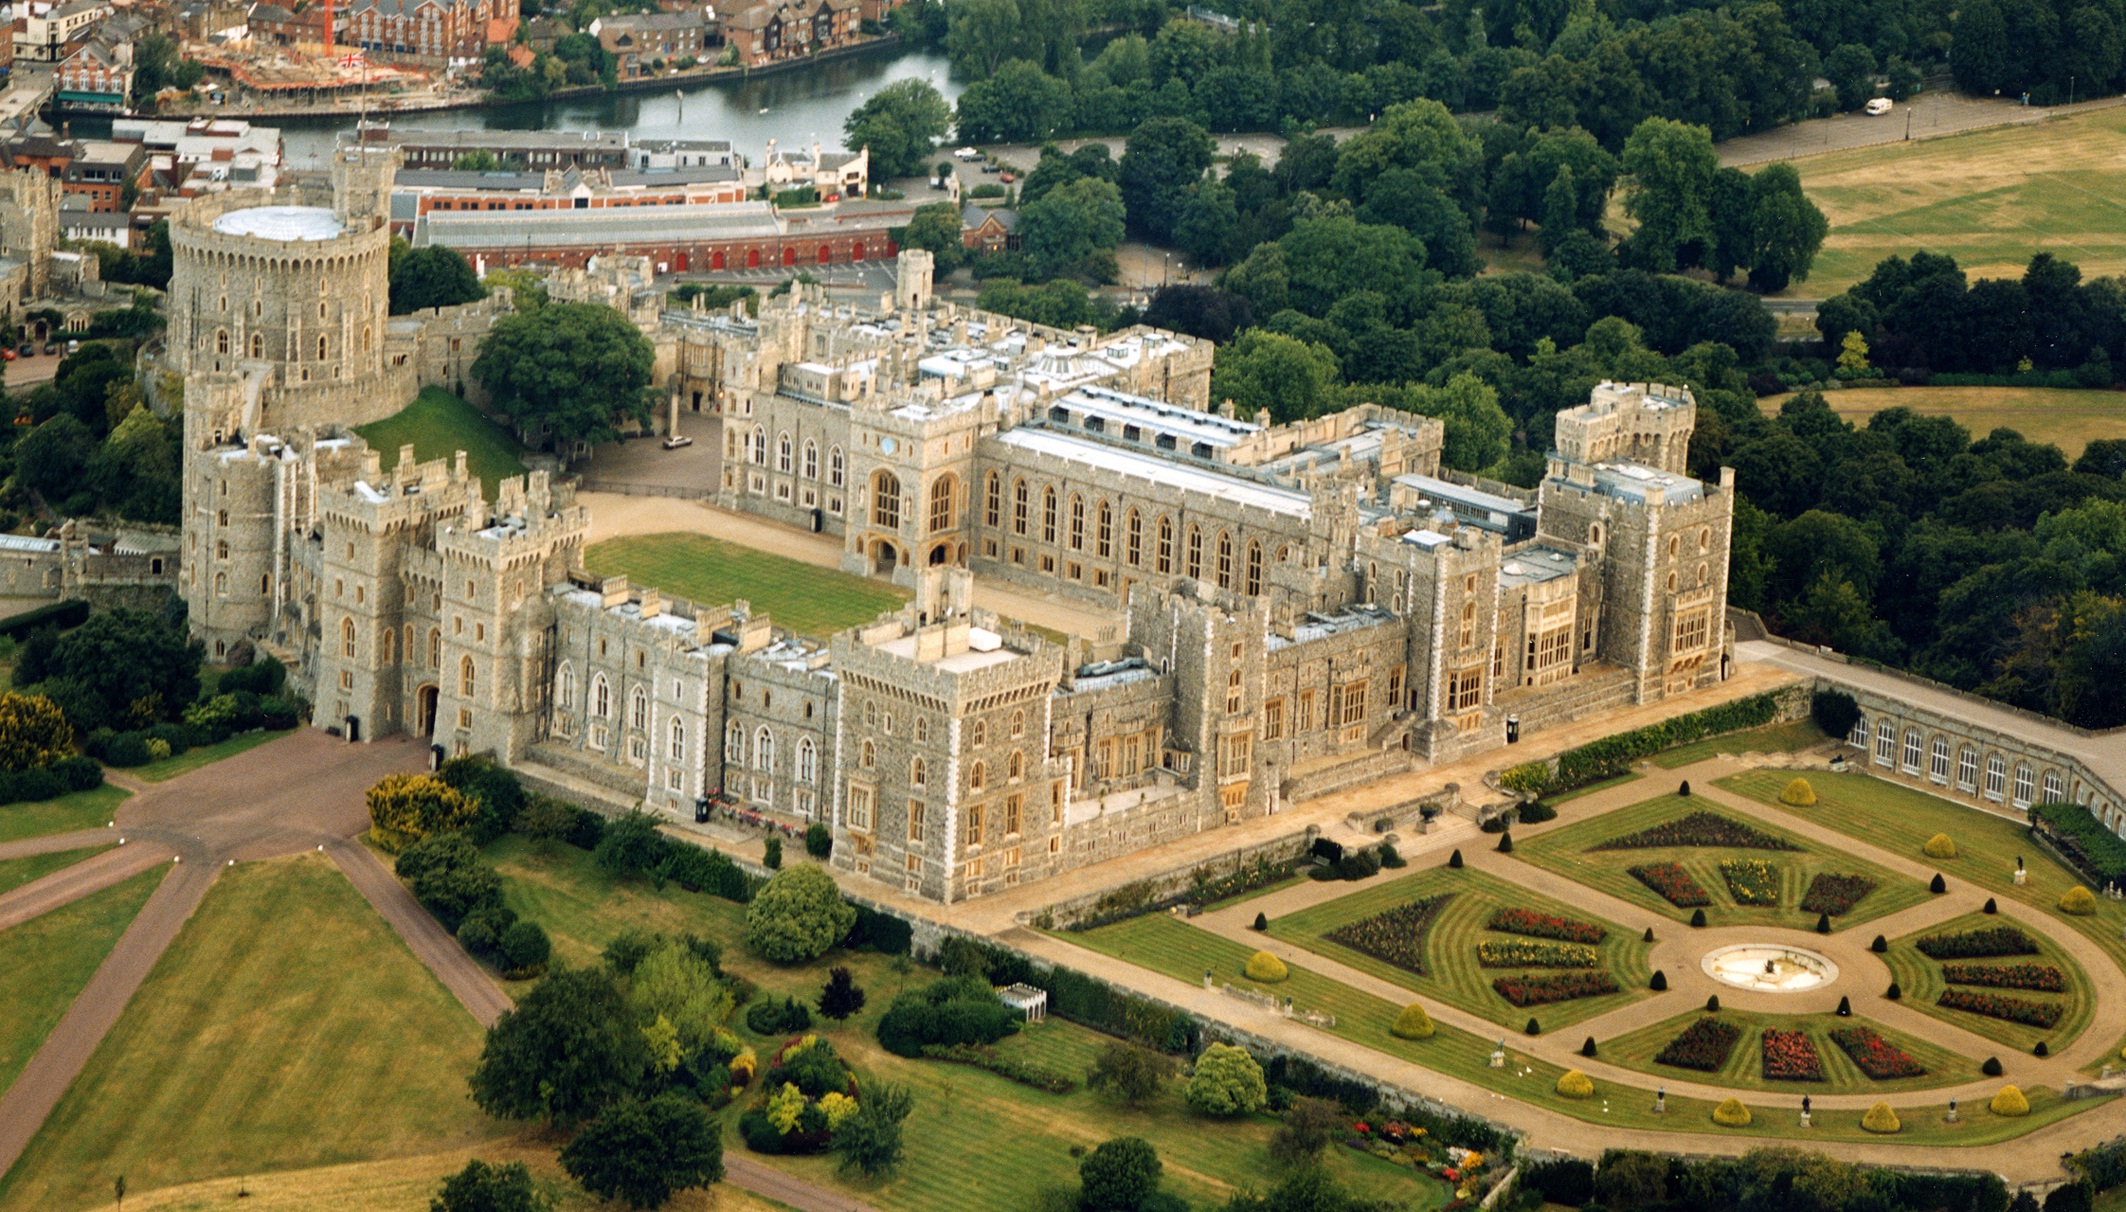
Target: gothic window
(757, 447)
(807, 761)
(385, 653)
(1996, 776)
(1018, 724)
(1133, 551)
(2025, 786)
(1859, 736)
(918, 772)
(1018, 506)
(601, 697)
(1048, 514)
(941, 494)
(221, 340)
(435, 648)
(1225, 560)
(782, 453)
(1195, 552)
(1077, 522)
(1938, 761)
(677, 750)
(834, 466)
(811, 459)
(347, 638)
(886, 501)
(981, 733)
(1967, 769)
(467, 678)
(764, 750)
(1254, 583)
(321, 349)
(993, 500)
(366, 332)
(565, 686)
(977, 776)
(638, 709)
(869, 760)
(258, 345)
(1017, 767)
(1166, 546)
(734, 745)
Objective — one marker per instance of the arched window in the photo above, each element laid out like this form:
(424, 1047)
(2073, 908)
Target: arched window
(918, 772)
(258, 345)
(757, 447)
(638, 709)
(1018, 724)
(347, 638)
(1195, 551)
(221, 340)
(221, 584)
(1859, 734)
(435, 648)
(807, 761)
(981, 732)
(1077, 522)
(1018, 506)
(1048, 514)
(942, 491)
(321, 349)
(468, 681)
(782, 453)
(601, 697)
(366, 331)
(1104, 531)
(734, 745)
(1254, 584)
(886, 501)
(978, 776)
(993, 501)
(811, 459)
(1225, 560)
(869, 760)
(384, 653)
(565, 686)
(834, 466)
(677, 743)
(1133, 545)
(764, 750)
(1017, 767)
(1165, 561)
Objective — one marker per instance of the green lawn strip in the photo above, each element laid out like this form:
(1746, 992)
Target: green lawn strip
(286, 1027)
(205, 755)
(1570, 852)
(1289, 881)
(803, 597)
(91, 809)
(1778, 738)
(1174, 948)
(1745, 1067)
(49, 959)
(439, 424)
(30, 868)
(1615, 780)
(1919, 979)
(1453, 975)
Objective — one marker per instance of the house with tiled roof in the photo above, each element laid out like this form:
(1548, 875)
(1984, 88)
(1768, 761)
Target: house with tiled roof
(986, 230)
(641, 43)
(769, 31)
(430, 33)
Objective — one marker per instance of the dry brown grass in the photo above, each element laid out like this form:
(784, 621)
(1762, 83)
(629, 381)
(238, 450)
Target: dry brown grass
(2066, 418)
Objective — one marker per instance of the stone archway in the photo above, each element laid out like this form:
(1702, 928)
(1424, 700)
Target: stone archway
(425, 710)
(885, 557)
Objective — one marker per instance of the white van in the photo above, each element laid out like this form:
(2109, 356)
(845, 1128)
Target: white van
(1878, 107)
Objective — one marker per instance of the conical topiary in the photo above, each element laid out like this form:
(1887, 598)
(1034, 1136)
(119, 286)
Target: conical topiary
(2042, 1049)
(1823, 923)
(1533, 1028)
(1697, 917)
(1575, 1084)
(1262, 921)
(1939, 885)
(1940, 846)
(1880, 945)
(1660, 982)
(1992, 906)
(1895, 992)
(1683, 789)
(1880, 1119)
(1455, 860)
(1845, 1007)
(1266, 968)
(1712, 1004)
(1588, 1048)
(2010, 1103)
(1506, 842)
(1649, 934)
(2079, 901)
(1732, 1114)
(1992, 1067)
(1798, 793)
(1412, 1023)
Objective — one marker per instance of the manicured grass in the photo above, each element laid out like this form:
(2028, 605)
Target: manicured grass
(286, 1027)
(1745, 1068)
(91, 809)
(49, 958)
(805, 598)
(2066, 417)
(1919, 979)
(1779, 738)
(439, 425)
(1615, 780)
(1452, 974)
(30, 868)
(1569, 852)
(205, 755)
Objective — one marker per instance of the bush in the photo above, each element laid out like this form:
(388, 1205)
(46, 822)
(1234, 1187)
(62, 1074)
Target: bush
(1614, 755)
(770, 1017)
(1454, 861)
(955, 1010)
(1262, 922)
(1939, 885)
(1894, 993)
(819, 843)
(797, 916)
(2096, 850)
(1835, 712)
(481, 931)
(497, 796)
(1575, 1084)
(1712, 1004)
(126, 750)
(1823, 923)
(524, 948)
(1588, 1049)
(1267, 968)
(2078, 901)
(1533, 1027)
(1412, 1023)
(404, 808)
(1798, 793)
(33, 732)
(1880, 945)
(1940, 846)
(1880, 1119)
(771, 854)
(2041, 1049)
(1991, 1067)
(1536, 812)
(1568, 1181)
(1227, 1082)
(1388, 855)
(79, 773)
(1732, 1114)
(2010, 1103)
(1992, 906)
(840, 997)
(1660, 982)
(1697, 917)
(1506, 842)
(631, 846)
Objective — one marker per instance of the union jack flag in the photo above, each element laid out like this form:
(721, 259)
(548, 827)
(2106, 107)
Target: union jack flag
(353, 60)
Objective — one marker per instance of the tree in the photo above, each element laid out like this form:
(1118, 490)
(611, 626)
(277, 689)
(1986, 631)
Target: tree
(673, 982)
(1060, 232)
(573, 371)
(643, 1152)
(1786, 229)
(1478, 430)
(870, 1140)
(524, 946)
(1213, 314)
(1130, 1072)
(1208, 224)
(1853, 353)
(899, 124)
(1162, 159)
(569, 1048)
(1671, 166)
(1019, 103)
(123, 667)
(1851, 70)
(935, 228)
(434, 276)
(631, 845)
(840, 997)
(1119, 1176)
(33, 732)
(1294, 379)
(404, 808)
(51, 459)
(479, 160)
(1308, 1126)
(1227, 1081)
(797, 916)
(481, 1187)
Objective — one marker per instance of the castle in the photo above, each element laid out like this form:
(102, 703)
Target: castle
(1299, 606)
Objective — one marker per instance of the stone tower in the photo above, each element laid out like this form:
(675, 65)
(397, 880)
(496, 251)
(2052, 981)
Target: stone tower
(362, 174)
(911, 291)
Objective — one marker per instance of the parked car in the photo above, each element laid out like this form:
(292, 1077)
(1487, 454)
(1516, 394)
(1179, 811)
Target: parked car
(967, 153)
(52, 346)
(72, 348)
(1878, 107)
(28, 349)
(677, 440)
(1007, 178)
(7, 355)
(992, 168)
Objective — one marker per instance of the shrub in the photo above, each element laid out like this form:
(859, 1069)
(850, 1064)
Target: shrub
(797, 916)
(1712, 1004)
(1568, 1181)
(1834, 711)
(1536, 812)
(1010, 1068)
(841, 996)
(1683, 789)
(771, 853)
(1575, 1084)
(1977, 944)
(1991, 1067)
(1992, 906)
(1895, 992)
(1880, 945)
(1939, 885)
(1613, 755)
(33, 732)
(770, 1017)
(1798, 793)
(1227, 1081)
(1940, 846)
(1659, 984)
(1389, 856)
(1454, 861)
(524, 948)
(79, 773)
(1880, 1119)
(1732, 1114)
(1823, 923)
(2007, 1009)
(1845, 1007)
(126, 750)
(1697, 917)
(2078, 901)
(1412, 1023)
(631, 846)
(1533, 1028)
(819, 843)
(1708, 829)
(1649, 936)
(497, 796)
(1835, 894)
(1588, 1048)
(404, 808)
(1267, 968)
(1703, 1046)
(955, 1010)
(2010, 1103)
(2042, 1049)
(1506, 842)
(1262, 921)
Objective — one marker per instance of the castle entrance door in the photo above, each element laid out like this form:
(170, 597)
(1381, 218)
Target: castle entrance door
(425, 711)
(884, 558)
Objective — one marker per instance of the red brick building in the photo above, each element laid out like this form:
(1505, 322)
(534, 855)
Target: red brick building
(429, 33)
(768, 31)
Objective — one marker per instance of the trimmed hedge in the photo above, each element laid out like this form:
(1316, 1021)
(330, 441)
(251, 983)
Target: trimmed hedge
(59, 616)
(2082, 839)
(1614, 755)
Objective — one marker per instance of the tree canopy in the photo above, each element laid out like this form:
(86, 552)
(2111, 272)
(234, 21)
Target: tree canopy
(797, 915)
(566, 1050)
(646, 1151)
(900, 124)
(434, 276)
(572, 372)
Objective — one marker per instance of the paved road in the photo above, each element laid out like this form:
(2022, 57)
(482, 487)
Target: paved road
(1930, 115)
(433, 945)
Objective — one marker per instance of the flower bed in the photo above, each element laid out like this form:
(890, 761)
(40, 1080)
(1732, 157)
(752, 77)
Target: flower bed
(1977, 944)
(1704, 1046)
(1534, 953)
(2007, 1009)
(1674, 883)
(1751, 881)
(1553, 987)
(1790, 1056)
(1876, 1056)
(2037, 978)
(1397, 935)
(1835, 894)
(1546, 925)
(1700, 829)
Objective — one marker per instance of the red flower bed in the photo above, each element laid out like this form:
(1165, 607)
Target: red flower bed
(2038, 978)
(1396, 935)
(1546, 925)
(1700, 829)
(1553, 987)
(1790, 1056)
(1835, 894)
(1976, 944)
(1876, 1056)
(2007, 1009)
(1704, 1046)
(1674, 883)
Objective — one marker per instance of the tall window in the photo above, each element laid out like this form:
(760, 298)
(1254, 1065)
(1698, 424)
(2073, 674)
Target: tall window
(1254, 584)
(677, 742)
(734, 744)
(1859, 736)
(565, 686)
(1996, 777)
(638, 709)
(807, 761)
(763, 750)
(1938, 761)
(1912, 751)
(834, 466)
(2025, 786)
(468, 680)
(993, 501)
(918, 772)
(1104, 531)
(1885, 743)
(782, 453)
(757, 447)
(435, 648)
(915, 820)
(1048, 514)
(886, 501)
(1077, 522)
(811, 459)
(601, 697)
(941, 494)
(1166, 546)
(347, 638)
(1195, 552)
(1967, 768)
(977, 776)
(1225, 560)
(258, 345)
(1133, 549)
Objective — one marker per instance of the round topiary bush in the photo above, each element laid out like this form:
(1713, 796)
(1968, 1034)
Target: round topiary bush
(1697, 917)
(1660, 982)
(1732, 1114)
(2010, 1103)
(1992, 1067)
(1588, 1048)
(1880, 945)
(1533, 1028)
(2042, 1049)
(1939, 885)
(1267, 968)
(1940, 846)
(1880, 1119)
(1798, 793)
(1575, 1084)
(1262, 921)
(797, 915)
(1992, 906)
(1412, 1023)
(1683, 789)
(1455, 860)
(1895, 992)
(2079, 901)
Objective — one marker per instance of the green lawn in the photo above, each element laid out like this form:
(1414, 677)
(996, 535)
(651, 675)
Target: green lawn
(1919, 979)
(91, 809)
(30, 868)
(49, 958)
(805, 598)
(204, 755)
(1745, 1069)
(1778, 738)
(1453, 975)
(286, 1027)
(1569, 852)
(439, 425)
(1615, 780)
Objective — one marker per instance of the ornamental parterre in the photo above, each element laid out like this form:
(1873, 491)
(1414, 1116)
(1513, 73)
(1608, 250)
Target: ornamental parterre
(2037, 978)
(1877, 1057)
(1835, 894)
(1790, 1056)
(1704, 1046)
(1553, 987)
(2007, 1009)
(1546, 925)
(1534, 953)
(1673, 883)
(1396, 936)
(1751, 881)
(1700, 829)
(1977, 944)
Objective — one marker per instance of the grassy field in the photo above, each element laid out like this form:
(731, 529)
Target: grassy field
(1569, 852)
(1171, 946)
(1453, 975)
(49, 958)
(1991, 198)
(91, 809)
(1919, 979)
(439, 425)
(1779, 738)
(205, 755)
(30, 868)
(2065, 417)
(805, 598)
(287, 1027)
(1745, 1069)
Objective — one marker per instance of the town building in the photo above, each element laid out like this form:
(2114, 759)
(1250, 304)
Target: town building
(989, 229)
(686, 153)
(533, 150)
(428, 191)
(771, 31)
(101, 173)
(430, 33)
(48, 33)
(643, 44)
(97, 74)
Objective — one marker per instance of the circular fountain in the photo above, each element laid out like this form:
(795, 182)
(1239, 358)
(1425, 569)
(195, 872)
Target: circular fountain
(1769, 967)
